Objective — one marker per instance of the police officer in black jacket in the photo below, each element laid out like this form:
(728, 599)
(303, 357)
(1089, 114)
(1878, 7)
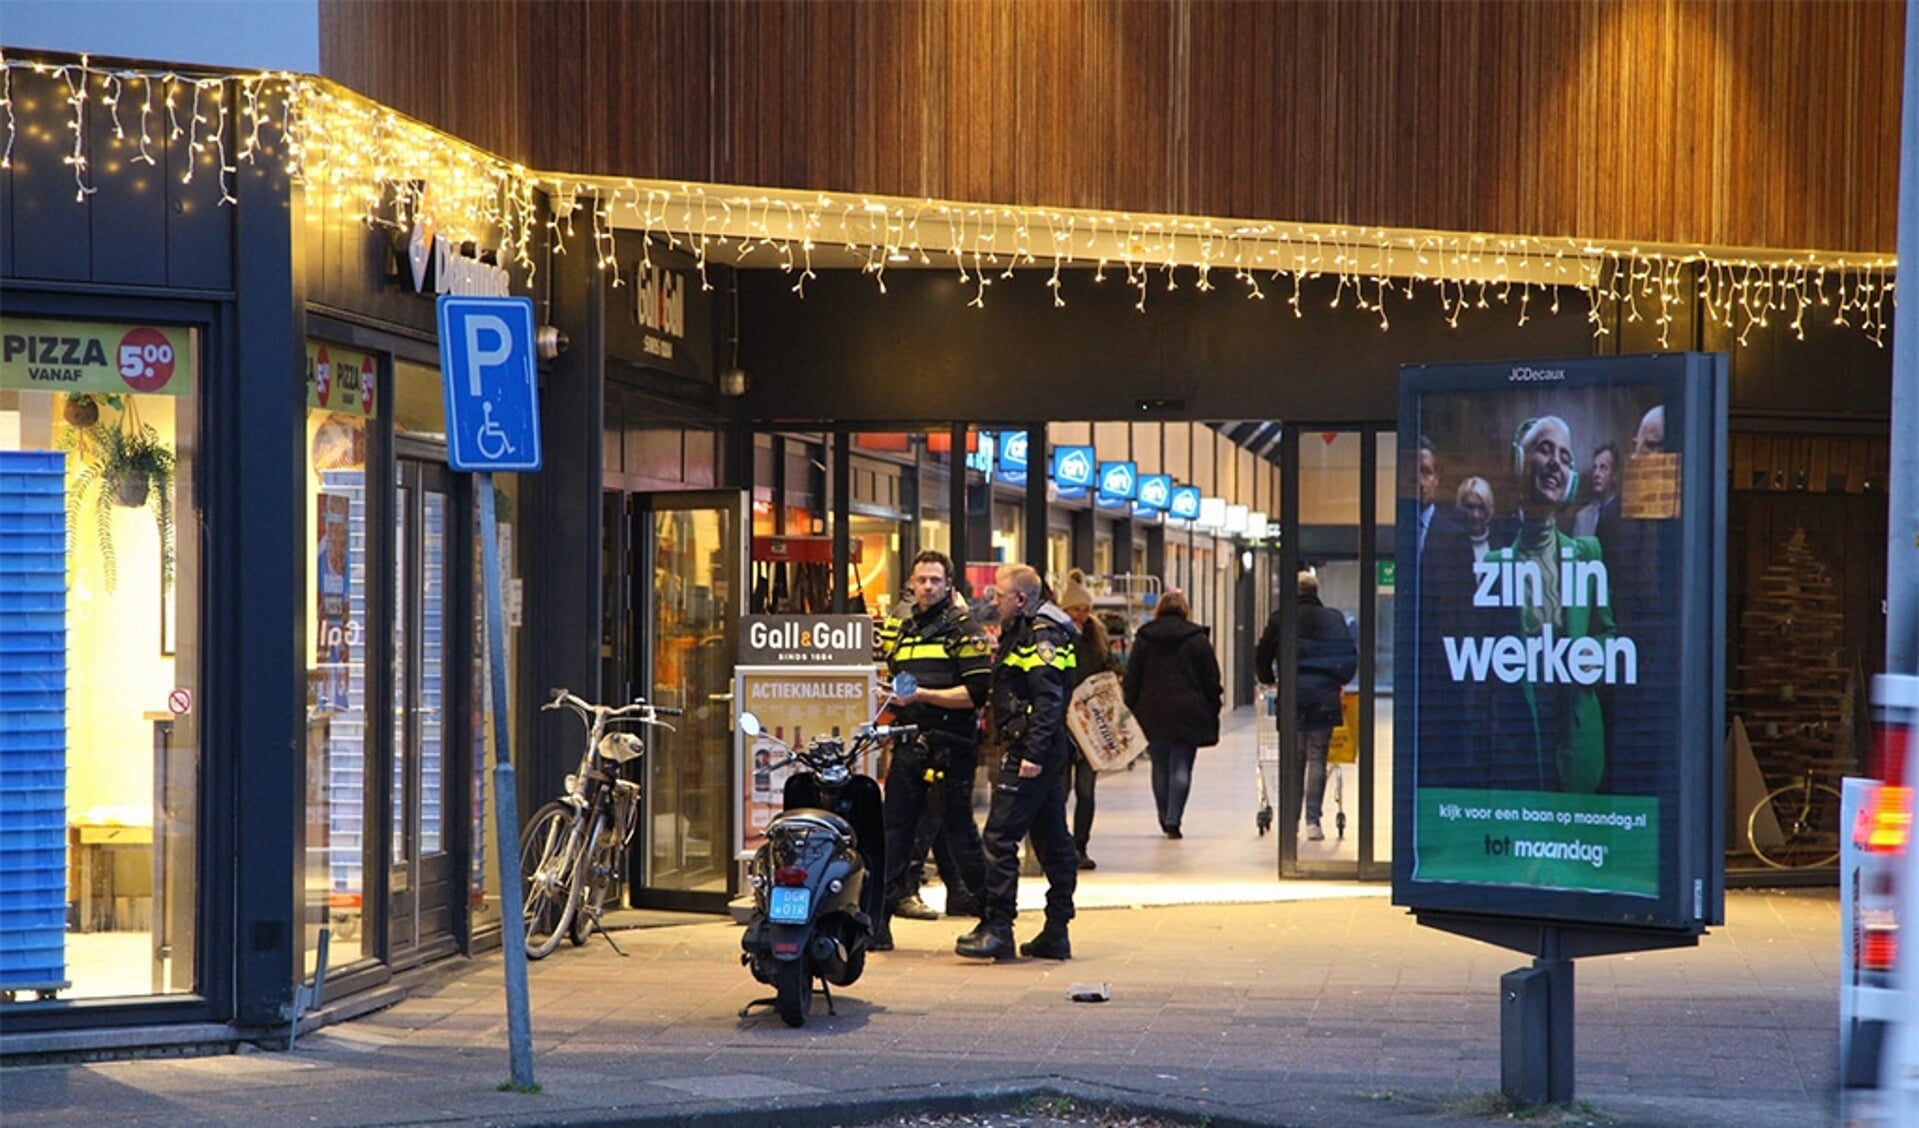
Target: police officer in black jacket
(946, 652)
(1032, 681)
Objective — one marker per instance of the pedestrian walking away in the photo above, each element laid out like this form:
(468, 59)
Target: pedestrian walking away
(1032, 679)
(1327, 659)
(1173, 688)
(939, 643)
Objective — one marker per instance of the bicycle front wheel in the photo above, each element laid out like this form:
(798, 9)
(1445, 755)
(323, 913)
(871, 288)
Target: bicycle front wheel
(1796, 826)
(550, 847)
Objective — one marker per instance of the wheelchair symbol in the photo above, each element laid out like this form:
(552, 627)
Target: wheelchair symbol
(491, 438)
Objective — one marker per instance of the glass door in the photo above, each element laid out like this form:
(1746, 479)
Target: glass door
(425, 882)
(690, 582)
(1343, 515)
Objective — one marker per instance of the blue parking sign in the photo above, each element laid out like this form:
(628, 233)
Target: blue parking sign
(491, 386)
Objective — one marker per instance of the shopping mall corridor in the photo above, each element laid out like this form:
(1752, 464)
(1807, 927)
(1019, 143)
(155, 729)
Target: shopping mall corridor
(1222, 856)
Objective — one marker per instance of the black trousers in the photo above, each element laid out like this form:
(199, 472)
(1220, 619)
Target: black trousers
(910, 797)
(1084, 777)
(948, 829)
(1022, 806)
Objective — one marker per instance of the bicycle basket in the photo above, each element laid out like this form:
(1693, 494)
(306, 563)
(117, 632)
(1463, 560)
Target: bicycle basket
(620, 747)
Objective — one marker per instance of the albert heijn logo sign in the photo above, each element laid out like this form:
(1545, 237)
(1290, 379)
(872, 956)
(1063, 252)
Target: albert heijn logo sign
(1156, 491)
(1185, 504)
(1118, 481)
(1073, 466)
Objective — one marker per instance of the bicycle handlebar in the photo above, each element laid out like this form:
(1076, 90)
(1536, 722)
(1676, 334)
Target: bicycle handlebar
(638, 710)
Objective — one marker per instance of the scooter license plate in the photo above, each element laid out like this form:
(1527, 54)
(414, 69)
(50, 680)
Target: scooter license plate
(789, 904)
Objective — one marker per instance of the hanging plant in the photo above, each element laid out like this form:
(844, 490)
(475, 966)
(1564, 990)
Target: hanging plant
(125, 465)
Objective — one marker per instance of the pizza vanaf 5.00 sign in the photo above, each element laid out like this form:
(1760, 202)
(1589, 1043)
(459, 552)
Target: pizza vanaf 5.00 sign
(94, 357)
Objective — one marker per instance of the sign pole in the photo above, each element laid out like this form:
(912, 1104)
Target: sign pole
(506, 804)
(492, 396)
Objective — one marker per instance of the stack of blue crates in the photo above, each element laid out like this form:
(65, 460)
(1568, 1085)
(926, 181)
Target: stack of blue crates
(33, 722)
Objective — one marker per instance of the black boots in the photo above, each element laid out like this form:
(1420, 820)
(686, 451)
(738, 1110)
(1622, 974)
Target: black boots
(1050, 944)
(912, 908)
(960, 903)
(992, 940)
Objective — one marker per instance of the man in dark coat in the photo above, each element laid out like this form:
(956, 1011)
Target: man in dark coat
(1327, 659)
(1032, 680)
(1173, 688)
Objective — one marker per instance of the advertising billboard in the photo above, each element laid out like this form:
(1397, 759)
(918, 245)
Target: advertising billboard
(794, 705)
(1559, 688)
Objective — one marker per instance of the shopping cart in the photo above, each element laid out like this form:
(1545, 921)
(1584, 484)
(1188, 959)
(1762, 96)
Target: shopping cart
(1266, 751)
(1343, 749)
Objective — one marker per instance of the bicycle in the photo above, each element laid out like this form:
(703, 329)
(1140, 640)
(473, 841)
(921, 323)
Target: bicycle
(1796, 826)
(573, 850)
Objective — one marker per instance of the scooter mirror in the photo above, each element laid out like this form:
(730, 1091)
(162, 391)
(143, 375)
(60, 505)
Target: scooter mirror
(750, 724)
(904, 683)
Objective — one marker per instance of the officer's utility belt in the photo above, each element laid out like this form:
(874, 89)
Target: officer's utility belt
(934, 751)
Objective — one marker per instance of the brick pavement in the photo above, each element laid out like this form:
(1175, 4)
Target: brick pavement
(1318, 1012)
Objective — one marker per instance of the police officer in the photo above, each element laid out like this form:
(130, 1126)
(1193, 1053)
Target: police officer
(1032, 681)
(946, 652)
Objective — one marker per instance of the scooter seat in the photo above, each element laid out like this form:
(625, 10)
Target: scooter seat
(813, 819)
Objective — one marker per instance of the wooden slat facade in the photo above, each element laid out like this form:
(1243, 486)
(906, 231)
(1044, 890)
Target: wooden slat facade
(1702, 122)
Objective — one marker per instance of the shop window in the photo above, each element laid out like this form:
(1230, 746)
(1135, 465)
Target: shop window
(878, 577)
(99, 660)
(341, 399)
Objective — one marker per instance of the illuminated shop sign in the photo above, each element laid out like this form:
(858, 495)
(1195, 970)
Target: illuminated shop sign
(1212, 512)
(95, 357)
(435, 265)
(1012, 457)
(1012, 451)
(1185, 503)
(982, 460)
(1558, 702)
(340, 379)
(1073, 466)
(1119, 480)
(1156, 491)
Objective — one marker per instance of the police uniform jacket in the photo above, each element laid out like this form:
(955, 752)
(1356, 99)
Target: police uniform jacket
(1032, 682)
(941, 647)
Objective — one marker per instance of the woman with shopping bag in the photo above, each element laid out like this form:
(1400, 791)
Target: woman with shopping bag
(1173, 688)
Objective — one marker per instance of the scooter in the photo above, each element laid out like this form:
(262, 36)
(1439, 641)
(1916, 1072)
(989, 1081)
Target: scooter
(814, 908)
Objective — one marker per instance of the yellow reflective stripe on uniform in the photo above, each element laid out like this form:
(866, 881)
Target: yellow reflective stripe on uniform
(909, 651)
(1027, 658)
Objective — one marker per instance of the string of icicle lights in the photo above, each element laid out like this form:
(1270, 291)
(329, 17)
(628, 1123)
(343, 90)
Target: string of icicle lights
(364, 159)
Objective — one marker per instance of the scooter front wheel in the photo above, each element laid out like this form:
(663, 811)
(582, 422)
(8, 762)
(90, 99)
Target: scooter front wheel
(793, 979)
